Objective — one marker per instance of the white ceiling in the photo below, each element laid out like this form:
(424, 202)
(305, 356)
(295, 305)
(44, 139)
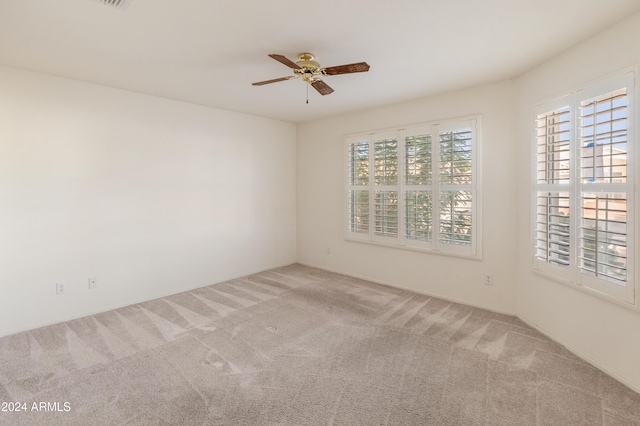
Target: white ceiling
(209, 52)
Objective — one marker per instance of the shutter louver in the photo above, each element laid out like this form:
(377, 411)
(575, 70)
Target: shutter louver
(419, 217)
(418, 160)
(386, 213)
(359, 211)
(552, 228)
(603, 135)
(456, 150)
(554, 145)
(603, 237)
(455, 217)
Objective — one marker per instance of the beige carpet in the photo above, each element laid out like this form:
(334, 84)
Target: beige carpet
(301, 346)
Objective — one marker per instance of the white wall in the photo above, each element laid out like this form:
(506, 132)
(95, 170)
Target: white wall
(321, 201)
(153, 196)
(603, 332)
(148, 195)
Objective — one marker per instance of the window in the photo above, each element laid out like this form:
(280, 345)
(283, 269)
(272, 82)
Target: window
(584, 187)
(415, 187)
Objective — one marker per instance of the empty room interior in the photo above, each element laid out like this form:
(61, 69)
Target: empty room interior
(423, 212)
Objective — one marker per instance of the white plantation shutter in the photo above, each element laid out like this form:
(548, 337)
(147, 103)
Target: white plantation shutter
(603, 236)
(418, 162)
(456, 185)
(358, 187)
(583, 200)
(419, 217)
(552, 228)
(359, 211)
(386, 213)
(554, 145)
(552, 217)
(603, 138)
(385, 157)
(603, 226)
(385, 179)
(419, 188)
(456, 154)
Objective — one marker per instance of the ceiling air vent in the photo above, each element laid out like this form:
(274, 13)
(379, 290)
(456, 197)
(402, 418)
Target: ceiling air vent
(120, 4)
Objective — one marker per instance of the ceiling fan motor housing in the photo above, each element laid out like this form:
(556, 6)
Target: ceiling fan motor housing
(309, 67)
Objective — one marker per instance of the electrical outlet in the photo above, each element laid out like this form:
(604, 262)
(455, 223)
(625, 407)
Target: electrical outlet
(61, 288)
(93, 282)
(488, 279)
(328, 250)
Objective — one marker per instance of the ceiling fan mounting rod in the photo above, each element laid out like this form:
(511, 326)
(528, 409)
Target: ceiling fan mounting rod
(306, 56)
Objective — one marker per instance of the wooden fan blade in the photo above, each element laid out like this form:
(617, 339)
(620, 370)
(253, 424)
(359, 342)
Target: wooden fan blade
(285, 61)
(346, 69)
(322, 87)
(275, 80)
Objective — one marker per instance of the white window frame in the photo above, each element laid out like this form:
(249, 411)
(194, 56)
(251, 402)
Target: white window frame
(434, 245)
(571, 274)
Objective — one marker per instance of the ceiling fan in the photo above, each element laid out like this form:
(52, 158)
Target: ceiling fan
(308, 69)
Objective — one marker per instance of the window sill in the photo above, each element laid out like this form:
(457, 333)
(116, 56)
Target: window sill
(551, 277)
(415, 249)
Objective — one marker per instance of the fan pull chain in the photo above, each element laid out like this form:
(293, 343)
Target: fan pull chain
(307, 92)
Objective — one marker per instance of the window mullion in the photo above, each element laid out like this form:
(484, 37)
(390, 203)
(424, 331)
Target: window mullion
(475, 149)
(401, 187)
(435, 185)
(574, 192)
(371, 187)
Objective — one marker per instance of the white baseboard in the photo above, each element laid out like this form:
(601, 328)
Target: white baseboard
(401, 287)
(580, 355)
(10, 331)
